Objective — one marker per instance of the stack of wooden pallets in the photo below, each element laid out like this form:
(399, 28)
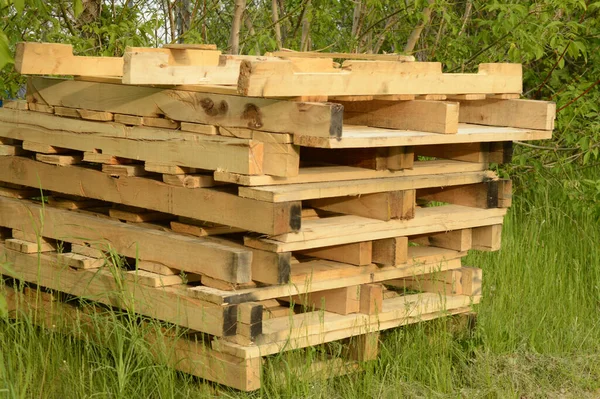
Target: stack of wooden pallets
(264, 203)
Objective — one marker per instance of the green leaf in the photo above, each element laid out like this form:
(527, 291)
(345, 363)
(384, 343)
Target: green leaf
(5, 53)
(19, 5)
(77, 8)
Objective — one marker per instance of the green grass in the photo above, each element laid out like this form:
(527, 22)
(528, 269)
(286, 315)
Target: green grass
(537, 333)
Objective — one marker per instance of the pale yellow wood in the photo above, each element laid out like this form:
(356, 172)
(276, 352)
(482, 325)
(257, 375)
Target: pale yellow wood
(489, 194)
(58, 59)
(466, 97)
(128, 240)
(487, 238)
(458, 240)
(107, 159)
(69, 203)
(505, 96)
(317, 119)
(203, 231)
(18, 192)
(190, 181)
(431, 97)
(141, 143)
(332, 173)
(394, 97)
(9, 150)
(210, 130)
(161, 123)
(441, 283)
(60, 160)
(39, 107)
(278, 79)
(323, 275)
(354, 56)
(169, 304)
(340, 300)
(390, 251)
(381, 206)
(371, 298)
(15, 104)
(101, 116)
(138, 215)
(67, 112)
(419, 115)
(471, 281)
(43, 148)
(358, 254)
(168, 169)
(31, 237)
(294, 192)
(225, 285)
(79, 261)
(146, 68)
(151, 279)
(362, 136)
(468, 152)
(29, 247)
(348, 228)
(215, 206)
(400, 158)
(124, 170)
(191, 46)
(89, 251)
(526, 114)
(131, 120)
(364, 347)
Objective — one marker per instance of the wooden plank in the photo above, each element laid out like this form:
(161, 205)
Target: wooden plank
(381, 206)
(190, 181)
(67, 112)
(124, 170)
(370, 158)
(297, 192)
(353, 56)
(318, 119)
(199, 128)
(203, 231)
(358, 254)
(146, 68)
(90, 251)
(487, 238)
(101, 116)
(458, 240)
(5, 141)
(440, 283)
(43, 148)
(18, 192)
(424, 116)
(363, 136)
(163, 123)
(470, 152)
(348, 228)
(371, 298)
(9, 150)
(488, 194)
(332, 173)
(340, 300)
(96, 157)
(170, 249)
(400, 158)
(501, 152)
(140, 143)
(130, 120)
(58, 59)
(168, 169)
(212, 205)
(29, 247)
(364, 347)
(74, 203)
(278, 79)
(225, 285)
(525, 114)
(320, 275)
(150, 279)
(78, 261)
(40, 107)
(471, 281)
(15, 104)
(466, 97)
(138, 215)
(60, 160)
(168, 304)
(390, 251)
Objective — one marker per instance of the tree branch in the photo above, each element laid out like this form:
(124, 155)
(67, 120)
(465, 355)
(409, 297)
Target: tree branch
(416, 33)
(234, 38)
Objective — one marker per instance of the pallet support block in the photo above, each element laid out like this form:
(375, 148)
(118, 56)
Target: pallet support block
(487, 238)
(489, 194)
(358, 254)
(382, 206)
(390, 251)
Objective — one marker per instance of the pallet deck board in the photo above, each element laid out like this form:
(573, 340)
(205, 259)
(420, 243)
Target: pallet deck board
(221, 261)
(363, 136)
(213, 205)
(335, 230)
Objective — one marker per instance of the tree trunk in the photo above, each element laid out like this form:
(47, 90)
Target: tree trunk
(416, 33)
(356, 18)
(305, 41)
(234, 38)
(276, 25)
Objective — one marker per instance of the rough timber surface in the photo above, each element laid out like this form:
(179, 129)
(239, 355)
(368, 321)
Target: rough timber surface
(140, 143)
(335, 230)
(363, 136)
(166, 303)
(225, 262)
(215, 205)
(318, 119)
(279, 79)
